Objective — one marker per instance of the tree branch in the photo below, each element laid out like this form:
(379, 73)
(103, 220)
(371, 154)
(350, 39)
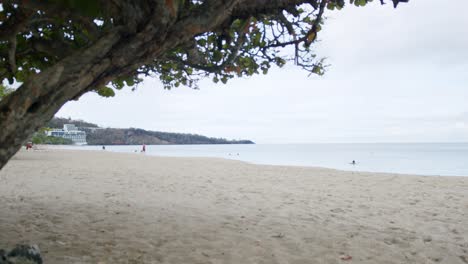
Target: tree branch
(12, 54)
(15, 24)
(215, 68)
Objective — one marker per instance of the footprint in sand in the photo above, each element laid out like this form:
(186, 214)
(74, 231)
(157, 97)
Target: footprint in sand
(337, 210)
(390, 241)
(427, 239)
(108, 195)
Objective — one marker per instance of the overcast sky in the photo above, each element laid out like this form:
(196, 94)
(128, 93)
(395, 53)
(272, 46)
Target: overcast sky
(396, 76)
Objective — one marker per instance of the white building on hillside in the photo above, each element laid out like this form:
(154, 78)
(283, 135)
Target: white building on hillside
(69, 131)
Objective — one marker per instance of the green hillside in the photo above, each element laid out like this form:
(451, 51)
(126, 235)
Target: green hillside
(134, 136)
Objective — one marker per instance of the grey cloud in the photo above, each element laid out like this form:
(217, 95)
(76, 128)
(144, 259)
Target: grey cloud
(396, 75)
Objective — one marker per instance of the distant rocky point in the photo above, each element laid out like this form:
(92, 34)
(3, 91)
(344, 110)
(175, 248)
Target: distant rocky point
(96, 135)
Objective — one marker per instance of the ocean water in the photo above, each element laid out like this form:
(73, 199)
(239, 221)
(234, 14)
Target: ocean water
(444, 159)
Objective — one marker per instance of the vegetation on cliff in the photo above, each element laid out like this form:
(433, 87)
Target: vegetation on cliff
(41, 137)
(134, 136)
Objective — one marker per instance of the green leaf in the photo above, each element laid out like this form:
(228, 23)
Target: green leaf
(202, 42)
(106, 92)
(256, 39)
(318, 70)
(118, 84)
(360, 2)
(224, 79)
(130, 81)
(217, 55)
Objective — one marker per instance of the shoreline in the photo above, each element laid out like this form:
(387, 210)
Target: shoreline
(106, 207)
(51, 147)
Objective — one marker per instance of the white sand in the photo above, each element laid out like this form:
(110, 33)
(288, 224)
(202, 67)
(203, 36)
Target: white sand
(101, 207)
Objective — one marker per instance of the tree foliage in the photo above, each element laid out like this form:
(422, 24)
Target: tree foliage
(57, 50)
(4, 90)
(43, 139)
(36, 34)
(58, 122)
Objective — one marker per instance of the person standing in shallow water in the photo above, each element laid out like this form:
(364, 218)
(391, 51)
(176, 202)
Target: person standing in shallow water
(143, 148)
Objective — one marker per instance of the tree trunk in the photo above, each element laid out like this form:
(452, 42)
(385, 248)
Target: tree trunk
(36, 101)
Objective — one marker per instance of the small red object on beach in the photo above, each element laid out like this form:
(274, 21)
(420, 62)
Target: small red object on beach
(346, 257)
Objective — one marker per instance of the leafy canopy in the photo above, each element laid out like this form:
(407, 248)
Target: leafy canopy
(35, 35)
(4, 90)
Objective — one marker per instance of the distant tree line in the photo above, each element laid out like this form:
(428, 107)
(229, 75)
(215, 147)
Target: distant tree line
(134, 136)
(58, 122)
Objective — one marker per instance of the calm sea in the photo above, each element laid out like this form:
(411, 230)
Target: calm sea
(446, 159)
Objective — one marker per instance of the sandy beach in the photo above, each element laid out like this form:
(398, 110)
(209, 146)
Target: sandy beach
(102, 207)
